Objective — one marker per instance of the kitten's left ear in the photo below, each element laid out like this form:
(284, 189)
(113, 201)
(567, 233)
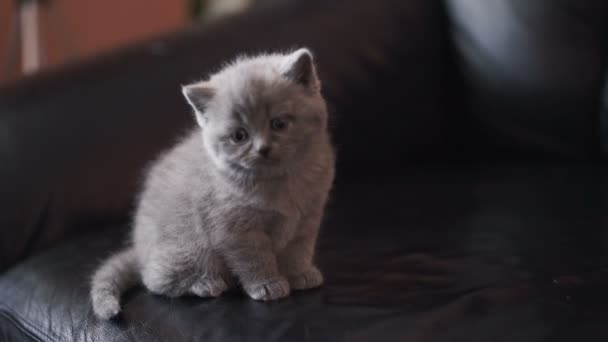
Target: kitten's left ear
(301, 69)
(198, 96)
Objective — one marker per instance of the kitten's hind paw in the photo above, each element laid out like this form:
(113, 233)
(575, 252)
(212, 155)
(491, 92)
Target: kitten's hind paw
(270, 290)
(209, 287)
(308, 279)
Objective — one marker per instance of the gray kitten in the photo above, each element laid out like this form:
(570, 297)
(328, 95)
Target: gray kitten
(240, 199)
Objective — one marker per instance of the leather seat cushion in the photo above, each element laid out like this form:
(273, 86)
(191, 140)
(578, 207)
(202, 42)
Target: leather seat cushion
(442, 254)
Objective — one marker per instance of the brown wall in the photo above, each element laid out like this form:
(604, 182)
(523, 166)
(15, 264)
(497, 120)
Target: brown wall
(95, 26)
(6, 8)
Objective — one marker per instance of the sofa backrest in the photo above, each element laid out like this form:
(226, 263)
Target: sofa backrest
(527, 82)
(533, 75)
(73, 142)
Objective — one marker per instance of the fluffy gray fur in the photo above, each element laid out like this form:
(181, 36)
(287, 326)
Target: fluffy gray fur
(218, 209)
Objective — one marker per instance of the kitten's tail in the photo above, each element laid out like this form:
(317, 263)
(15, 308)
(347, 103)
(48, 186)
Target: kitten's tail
(116, 275)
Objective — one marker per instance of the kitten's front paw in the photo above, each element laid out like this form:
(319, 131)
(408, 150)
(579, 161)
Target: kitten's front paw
(306, 280)
(209, 287)
(271, 290)
(106, 307)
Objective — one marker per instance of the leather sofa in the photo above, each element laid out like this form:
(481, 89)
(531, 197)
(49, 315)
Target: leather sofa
(471, 201)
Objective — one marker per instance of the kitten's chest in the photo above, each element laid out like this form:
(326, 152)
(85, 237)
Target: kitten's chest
(293, 200)
(282, 201)
(291, 216)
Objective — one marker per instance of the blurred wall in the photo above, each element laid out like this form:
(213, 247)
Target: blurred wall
(6, 8)
(93, 26)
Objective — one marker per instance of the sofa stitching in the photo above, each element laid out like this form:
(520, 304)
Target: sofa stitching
(25, 326)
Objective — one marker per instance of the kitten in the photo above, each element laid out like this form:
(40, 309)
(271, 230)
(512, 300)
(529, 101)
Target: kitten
(240, 199)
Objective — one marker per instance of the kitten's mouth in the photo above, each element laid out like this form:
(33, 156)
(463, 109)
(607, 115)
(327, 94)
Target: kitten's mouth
(257, 164)
(239, 167)
(259, 169)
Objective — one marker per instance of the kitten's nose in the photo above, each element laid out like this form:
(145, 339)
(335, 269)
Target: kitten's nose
(264, 151)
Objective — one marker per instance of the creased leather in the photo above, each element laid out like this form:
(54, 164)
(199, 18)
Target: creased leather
(512, 253)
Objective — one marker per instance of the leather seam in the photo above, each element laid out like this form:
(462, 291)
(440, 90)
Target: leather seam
(38, 226)
(24, 326)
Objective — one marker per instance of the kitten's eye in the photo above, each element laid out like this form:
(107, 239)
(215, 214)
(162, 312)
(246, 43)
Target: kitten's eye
(240, 136)
(278, 124)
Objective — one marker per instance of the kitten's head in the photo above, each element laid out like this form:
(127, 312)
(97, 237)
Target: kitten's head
(260, 115)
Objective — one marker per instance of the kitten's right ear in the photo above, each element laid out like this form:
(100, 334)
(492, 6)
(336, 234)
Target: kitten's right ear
(301, 69)
(198, 96)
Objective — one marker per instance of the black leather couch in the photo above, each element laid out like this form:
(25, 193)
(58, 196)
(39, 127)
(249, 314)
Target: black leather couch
(471, 202)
